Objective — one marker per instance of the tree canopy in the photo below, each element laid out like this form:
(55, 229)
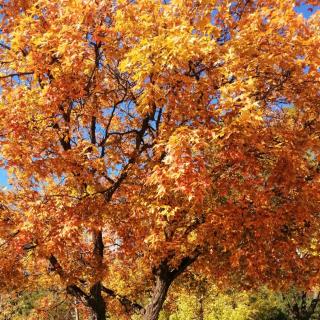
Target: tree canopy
(145, 137)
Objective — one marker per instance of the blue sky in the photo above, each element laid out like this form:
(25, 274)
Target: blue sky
(3, 178)
(304, 9)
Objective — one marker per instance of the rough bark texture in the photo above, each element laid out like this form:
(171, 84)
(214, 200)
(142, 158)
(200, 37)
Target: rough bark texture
(201, 311)
(76, 313)
(201, 297)
(164, 276)
(97, 303)
(158, 297)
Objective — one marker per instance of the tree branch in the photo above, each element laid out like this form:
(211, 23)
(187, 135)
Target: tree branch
(127, 303)
(184, 264)
(18, 74)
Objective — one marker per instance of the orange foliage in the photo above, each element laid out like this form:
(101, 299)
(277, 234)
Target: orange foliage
(152, 135)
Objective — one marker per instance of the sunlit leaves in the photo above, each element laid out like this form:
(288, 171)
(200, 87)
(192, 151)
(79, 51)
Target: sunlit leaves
(176, 129)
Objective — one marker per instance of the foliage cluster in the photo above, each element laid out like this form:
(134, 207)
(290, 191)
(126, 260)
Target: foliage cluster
(149, 140)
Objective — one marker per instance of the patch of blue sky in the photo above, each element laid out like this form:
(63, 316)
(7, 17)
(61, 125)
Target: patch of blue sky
(4, 179)
(306, 10)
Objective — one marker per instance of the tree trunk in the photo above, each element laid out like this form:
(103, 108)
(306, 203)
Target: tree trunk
(97, 302)
(301, 311)
(94, 299)
(202, 293)
(76, 311)
(201, 311)
(158, 297)
(164, 276)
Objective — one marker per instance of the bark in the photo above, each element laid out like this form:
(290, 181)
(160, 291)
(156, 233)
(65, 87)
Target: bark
(164, 276)
(98, 246)
(158, 297)
(76, 313)
(96, 302)
(129, 305)
(202, 295)
(94, 299)
(201, 311)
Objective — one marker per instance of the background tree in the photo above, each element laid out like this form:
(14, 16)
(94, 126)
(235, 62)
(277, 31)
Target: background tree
(184, 302)
(40, 304)
(302, 305)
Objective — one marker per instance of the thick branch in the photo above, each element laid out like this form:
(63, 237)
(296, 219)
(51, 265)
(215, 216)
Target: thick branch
(5, 46)
(184, 264)
(18, 74)
(139, 138)
(127, 303)
(78, 293)
(55, 266)
(10, 237)
(93, 130)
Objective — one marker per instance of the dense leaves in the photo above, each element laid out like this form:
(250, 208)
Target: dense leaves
(143, 137)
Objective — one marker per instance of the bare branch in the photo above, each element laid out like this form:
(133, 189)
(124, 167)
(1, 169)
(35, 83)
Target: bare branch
(18, 74)
(127, 303)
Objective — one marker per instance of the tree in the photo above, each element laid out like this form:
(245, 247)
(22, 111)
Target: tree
(198, 299)
(302, 305)
(143, 137)
(39, 304)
